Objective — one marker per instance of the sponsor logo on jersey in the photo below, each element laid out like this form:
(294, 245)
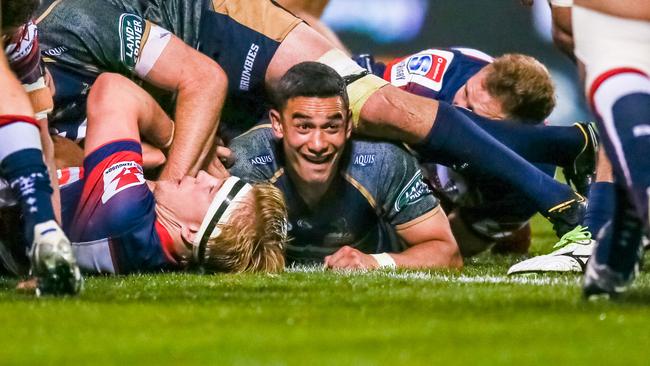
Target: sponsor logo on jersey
(414, 192)
(245, 80)
(131, 29)
(56, 51)
(364, 159)
(22, 47)
(426, 68)
(121, 176)
(261, 160)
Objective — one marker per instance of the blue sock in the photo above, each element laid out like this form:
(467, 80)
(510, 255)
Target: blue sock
(557, 145)
(601, 206)
(632, 122)
(30, 182)
(619, 241)
(455, 140)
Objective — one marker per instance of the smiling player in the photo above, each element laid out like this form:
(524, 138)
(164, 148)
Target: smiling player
(352, 203)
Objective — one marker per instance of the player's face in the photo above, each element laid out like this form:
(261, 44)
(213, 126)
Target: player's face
(475, 97)
(188, 199)
(314, 133)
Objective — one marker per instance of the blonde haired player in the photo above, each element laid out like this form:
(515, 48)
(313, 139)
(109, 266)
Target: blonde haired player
(121, 223)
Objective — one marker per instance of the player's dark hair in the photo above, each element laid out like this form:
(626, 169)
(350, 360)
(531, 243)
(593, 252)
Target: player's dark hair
(17, 12)
(309, 79)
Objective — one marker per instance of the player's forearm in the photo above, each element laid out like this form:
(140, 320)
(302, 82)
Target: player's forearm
(433, 254)
(197, 114)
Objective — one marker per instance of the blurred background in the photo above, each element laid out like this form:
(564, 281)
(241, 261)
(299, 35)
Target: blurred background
(394, 28)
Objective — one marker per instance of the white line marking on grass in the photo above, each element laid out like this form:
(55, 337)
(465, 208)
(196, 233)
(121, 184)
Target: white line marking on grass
(531, 279)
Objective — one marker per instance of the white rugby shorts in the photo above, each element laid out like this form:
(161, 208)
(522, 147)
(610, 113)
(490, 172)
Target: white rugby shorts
(605, 42)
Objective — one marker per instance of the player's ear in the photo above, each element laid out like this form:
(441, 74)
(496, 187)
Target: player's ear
(276, 123)
(348, 125)
(188, 233)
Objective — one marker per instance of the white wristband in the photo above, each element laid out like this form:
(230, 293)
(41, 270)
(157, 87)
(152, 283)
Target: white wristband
(385, 260)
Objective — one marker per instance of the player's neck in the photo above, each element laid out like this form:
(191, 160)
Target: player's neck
(311, 193)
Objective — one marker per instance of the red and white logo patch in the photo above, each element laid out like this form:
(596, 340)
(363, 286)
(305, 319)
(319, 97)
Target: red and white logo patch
(426, 68)
(121, 176)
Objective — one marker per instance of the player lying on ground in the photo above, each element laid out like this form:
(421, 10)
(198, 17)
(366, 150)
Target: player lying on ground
(349, 200)
(21, 158)
(516, 91)
(255, 43)
(120, 223)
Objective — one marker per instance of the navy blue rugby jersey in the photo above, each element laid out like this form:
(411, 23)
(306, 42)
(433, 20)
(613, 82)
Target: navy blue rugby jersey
(379, 189)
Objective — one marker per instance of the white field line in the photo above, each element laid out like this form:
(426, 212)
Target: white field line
(531, 279)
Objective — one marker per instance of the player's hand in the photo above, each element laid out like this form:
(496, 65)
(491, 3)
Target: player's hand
(223, 159)
(350, 258)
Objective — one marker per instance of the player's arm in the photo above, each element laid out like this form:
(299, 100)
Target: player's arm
(430, 243)
(118, 109)
(201, 87)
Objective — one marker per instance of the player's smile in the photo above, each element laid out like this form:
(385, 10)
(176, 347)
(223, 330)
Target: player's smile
(314, 132)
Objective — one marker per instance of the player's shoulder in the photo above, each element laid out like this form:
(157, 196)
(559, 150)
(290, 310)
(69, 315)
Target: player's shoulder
(256, 154)
(373, 162)
(364, 151)
(473, 53)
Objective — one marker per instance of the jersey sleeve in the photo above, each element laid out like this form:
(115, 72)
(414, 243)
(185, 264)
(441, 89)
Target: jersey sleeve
(96, 36)
(405, 195)
(117, 208)
(255, 155)
(24, 56)
(115, 197)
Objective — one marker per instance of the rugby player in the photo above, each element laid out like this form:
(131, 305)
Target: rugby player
(615, 66)
(120, 223)
(612, 41)
(515, 91)
(255, 43)
(149, 52)
(21, 155)
(352, 203)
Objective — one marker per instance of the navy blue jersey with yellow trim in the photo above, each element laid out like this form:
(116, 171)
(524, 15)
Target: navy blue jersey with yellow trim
(378, 189)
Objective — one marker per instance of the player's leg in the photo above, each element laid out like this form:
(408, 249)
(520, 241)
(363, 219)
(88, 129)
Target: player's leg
(573, 148)
(21, 163)
(438, 131)
(615, 55)
(574, 248)
(618, 87)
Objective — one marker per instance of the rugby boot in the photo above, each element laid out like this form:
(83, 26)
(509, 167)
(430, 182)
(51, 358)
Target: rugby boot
(53, 263)
(567, 215)
(616, 259)
(571, 255)
(582, 172)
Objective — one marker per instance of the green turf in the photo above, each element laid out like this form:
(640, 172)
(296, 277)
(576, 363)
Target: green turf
(475, 317)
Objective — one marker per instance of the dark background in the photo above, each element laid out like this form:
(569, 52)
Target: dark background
(393, 28)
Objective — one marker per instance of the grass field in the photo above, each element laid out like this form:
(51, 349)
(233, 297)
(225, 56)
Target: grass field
(309, 317)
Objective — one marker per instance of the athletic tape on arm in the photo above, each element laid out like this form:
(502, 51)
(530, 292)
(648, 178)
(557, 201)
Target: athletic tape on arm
(360, 89)
(152, 49)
